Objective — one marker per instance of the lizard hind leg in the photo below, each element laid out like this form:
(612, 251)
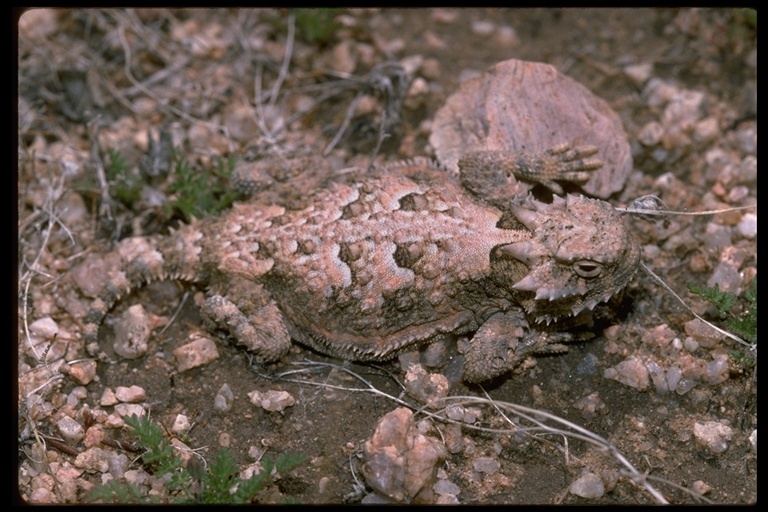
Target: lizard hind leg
(260, 329)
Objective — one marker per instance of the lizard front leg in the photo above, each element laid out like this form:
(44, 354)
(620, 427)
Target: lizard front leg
(486, 173)
(505, 341)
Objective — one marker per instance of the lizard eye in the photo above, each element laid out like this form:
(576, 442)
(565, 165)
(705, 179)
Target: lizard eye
(587, 268)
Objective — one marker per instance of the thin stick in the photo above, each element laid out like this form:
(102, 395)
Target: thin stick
(691, 214)
(750, 346)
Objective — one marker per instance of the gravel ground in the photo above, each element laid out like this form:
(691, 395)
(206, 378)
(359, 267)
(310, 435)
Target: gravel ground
(660, 406)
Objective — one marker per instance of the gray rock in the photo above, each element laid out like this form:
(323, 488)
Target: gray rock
(132, 333)
(588, 485)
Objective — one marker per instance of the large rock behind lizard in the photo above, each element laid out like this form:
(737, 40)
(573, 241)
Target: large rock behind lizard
(518, 105)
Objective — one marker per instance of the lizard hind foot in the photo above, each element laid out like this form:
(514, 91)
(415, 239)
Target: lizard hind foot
(262, 331)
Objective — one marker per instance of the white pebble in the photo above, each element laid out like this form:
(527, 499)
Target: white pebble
(717, 371)
(131, 394)
(700, 487)
(588, 485)
(487, 465)
(747, 226)
(684, 385)
(673, 377)
(684, 107)
(272, 400)
(639, 73)
(44, 328)
(181, 424)
(132, 332)
(446, 487)
(658, 376)
(128, 410)
(713, 435)
(657, 92)
(483, 27)
(70, 429)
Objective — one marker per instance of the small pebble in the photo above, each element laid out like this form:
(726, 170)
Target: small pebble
(630, 372)
(132, 332)
(651, 133)
(196, 353)
(747, 226)
(94, 436)
(700, 487)
(79, 392)
(726, 276)
(610, 479)
(684, 385)
(108, 398)
(118, 464)
(222, 402)
(83, 372)
(128, 410)
(429, 388)
(131, 394)
(181, 424)
(434, 355)
(454, 412)
(488, 465)
(93, 459)
(272, 400)
(717, 236)
(70, 429)
(706, 335)
(712, 435)
(507, 36)
(453, 438)
(400, 462)
(44, 328)
(639, 73)
(588, 485)
(483, 27)
(717, 371)
(472, 414)
(590, 404)
(707, 130)
(182, 450)
(686, 106)
(658, 92)
(588, 365)
(658, 377)
(446, 487)
(673, 377)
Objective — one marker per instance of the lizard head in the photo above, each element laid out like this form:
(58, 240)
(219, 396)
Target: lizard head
(579, 254)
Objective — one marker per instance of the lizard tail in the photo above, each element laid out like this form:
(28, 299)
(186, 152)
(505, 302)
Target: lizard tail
(142, 261)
